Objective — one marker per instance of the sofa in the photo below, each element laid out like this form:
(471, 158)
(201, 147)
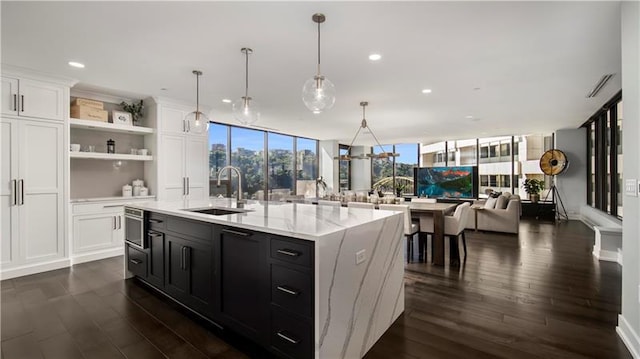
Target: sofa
(501, 214)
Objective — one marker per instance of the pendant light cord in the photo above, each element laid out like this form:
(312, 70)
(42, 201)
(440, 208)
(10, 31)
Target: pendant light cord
(246, 75)
(198, 94)
(318, 48)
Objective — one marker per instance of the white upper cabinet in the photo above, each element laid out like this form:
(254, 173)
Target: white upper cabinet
(32, 98)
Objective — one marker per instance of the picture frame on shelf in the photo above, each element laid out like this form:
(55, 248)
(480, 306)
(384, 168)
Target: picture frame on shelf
(121, 118)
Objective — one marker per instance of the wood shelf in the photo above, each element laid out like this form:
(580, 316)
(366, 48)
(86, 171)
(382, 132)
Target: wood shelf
(109, 156)
(108, 127)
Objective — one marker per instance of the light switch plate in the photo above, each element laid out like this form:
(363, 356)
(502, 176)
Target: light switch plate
(631, 187)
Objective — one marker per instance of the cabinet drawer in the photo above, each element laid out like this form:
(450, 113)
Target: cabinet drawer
(292, 289)
(290, 335)
(137, 262)
(97, 208)
(292, 251)
(189, 228)
(157, 222)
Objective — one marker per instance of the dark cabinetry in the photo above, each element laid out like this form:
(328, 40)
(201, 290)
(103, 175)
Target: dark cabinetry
(243, 282)
(188, 263)
(256, 284)
(545, 211)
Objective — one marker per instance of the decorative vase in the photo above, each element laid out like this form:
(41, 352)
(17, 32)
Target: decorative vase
(534, 198)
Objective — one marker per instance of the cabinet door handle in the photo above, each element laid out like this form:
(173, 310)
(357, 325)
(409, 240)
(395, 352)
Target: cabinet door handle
(184, 186)
(188, 191)
(287, 338)
(154, 234)
(289, 252)
(188, 126)
(119, 222)
(237, 233)
(14, 192)
(15, 102)
(287, 290)
(112, 206)
(155, 221)
(22, 103)
(184, 127)
(135, 261)
(21, 189)
(113, 222)
(183, 259)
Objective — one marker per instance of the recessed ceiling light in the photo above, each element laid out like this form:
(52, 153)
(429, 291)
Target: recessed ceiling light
(468, 117)
(375, 57)
(226, 100)
(316, 112)
(426, 91)
(76, 64)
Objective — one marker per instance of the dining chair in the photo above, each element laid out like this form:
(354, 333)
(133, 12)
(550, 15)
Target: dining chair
(410, 229)
(324, 202)
(360, 205)
(454, 226)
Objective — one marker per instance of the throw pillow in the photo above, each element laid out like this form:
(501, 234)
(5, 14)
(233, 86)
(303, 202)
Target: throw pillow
(502, 201)
(491, 203)
(495, 194)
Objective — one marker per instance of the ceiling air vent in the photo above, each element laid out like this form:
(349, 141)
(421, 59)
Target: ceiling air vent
(603, 81)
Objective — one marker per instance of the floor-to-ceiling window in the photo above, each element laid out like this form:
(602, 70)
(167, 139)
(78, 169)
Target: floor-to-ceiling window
(395, 174)
(279, 165)
(218, 156)
(306, 166)
(247, 153)
(344, 169)
(605, 165)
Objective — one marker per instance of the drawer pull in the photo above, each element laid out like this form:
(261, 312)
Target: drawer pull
(237, 233)
(287, 290)
(135, 261)
(289, 252)
(154, 234)
(287, 338)
(113, 206)
(155, 221)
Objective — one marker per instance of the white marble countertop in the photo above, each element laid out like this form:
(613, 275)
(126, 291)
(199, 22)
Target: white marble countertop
(298, 220)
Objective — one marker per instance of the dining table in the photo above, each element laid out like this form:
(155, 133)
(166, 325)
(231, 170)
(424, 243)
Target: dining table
(438, 211)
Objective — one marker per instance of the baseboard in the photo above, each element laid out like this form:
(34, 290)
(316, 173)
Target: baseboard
(97, 255)
(34, 268)
(609, 256)
(628, 336)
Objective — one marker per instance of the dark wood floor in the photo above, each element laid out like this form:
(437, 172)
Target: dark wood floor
(537, 295)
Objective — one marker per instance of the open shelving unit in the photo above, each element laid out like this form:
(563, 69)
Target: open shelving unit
(110, 156)
(108, 127)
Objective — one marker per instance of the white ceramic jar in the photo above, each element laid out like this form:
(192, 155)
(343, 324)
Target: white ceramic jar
(127, 190)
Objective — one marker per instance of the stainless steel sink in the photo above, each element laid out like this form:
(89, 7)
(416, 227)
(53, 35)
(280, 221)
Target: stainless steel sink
(217, 211)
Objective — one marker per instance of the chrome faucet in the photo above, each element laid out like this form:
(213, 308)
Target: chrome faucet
(237, 171)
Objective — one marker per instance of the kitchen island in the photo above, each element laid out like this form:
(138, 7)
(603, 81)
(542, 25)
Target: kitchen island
(303, 281)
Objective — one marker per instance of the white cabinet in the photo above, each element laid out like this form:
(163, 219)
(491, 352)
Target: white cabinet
(32, 98)
(182, 157)
(98, 228)
(102, 229)
(32, 192)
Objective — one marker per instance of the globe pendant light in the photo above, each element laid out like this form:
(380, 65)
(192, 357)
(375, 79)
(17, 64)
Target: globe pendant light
(245, 109)
(197, 121)
(318, 93)
(363, 125)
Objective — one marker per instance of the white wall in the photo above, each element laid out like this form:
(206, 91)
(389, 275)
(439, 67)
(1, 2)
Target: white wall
(329, 166)
(629, 320)
(572, 183)
(360, 169)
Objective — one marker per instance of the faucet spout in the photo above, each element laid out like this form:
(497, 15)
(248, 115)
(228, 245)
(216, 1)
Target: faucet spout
(237, 171)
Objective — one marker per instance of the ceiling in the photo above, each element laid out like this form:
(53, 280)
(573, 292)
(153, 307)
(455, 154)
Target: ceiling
(515, 67)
